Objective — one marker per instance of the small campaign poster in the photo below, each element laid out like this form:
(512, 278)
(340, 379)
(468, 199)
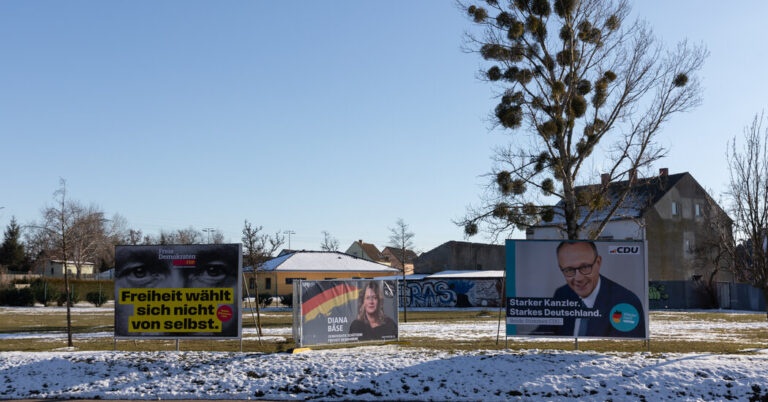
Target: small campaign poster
(577, 288)
(347, 311)
(173, 291)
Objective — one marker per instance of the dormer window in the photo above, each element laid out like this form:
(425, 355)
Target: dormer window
(698, 209)
(675, 212)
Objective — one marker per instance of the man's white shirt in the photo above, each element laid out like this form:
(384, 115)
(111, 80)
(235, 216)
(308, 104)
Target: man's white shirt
(588, 301)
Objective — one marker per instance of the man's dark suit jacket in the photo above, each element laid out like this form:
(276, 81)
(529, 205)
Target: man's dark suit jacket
(611, 294)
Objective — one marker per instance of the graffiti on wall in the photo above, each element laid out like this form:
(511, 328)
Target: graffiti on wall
(454, 293)
(657, 292)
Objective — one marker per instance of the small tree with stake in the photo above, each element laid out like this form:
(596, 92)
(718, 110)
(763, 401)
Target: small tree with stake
(573, 75)
(57, 230)
(259, 248)
(400, 237)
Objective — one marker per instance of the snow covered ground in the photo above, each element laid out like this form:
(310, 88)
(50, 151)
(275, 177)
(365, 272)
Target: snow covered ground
(692, 330)
(398, 372)
(388, 372)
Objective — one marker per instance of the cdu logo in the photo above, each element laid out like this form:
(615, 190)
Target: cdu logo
(624, 250)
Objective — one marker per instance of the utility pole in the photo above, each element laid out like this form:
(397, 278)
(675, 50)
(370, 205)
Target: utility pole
(289, 233)
(209, 231)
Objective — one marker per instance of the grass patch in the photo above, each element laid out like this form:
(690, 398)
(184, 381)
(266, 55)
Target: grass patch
(701, 316)
(712, 340)
(450, 316)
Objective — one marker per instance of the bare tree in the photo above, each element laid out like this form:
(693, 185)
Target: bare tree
(115, 232)
(217, 237)
(714, 250)
(89, 236)
(573, 77)
(189, 235)
(748, 192)
(329, 243)
(134, 237)
(55, 234)
(400, 237)
(259, 247)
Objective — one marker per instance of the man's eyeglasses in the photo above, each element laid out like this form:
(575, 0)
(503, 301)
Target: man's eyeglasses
(585, 269)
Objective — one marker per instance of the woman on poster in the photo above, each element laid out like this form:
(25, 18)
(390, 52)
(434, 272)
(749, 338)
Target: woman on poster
(371, 322)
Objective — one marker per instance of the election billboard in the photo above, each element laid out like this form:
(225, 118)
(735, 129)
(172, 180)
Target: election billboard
(174, 291)
(576, 289)
(345, 311)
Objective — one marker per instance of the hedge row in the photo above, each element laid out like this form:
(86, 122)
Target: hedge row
(16, 297)
(51, 290)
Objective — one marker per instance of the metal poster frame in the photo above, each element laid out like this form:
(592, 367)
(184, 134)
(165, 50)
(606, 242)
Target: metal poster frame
(298, 313)
(237, 298)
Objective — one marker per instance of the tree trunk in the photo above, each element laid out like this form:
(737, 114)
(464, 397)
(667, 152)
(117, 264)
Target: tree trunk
(68, 302)
(570, 210)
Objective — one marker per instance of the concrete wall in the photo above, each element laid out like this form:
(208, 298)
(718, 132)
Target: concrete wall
(452, 292)
(461, 256)
(689, 295)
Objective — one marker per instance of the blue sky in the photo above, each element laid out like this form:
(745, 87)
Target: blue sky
(307, 116)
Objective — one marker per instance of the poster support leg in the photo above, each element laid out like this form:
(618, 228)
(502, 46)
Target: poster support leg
(114, 345)
(241, 345)
(177, 344)
(501, 307)
(575, 343)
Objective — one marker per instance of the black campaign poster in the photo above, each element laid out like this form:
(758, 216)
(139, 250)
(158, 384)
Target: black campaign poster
(348, 311)
(173, 291)
(577, 289)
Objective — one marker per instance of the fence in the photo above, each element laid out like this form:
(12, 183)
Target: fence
(690, 295)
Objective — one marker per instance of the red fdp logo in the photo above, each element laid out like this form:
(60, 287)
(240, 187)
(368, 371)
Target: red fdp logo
(184, 263)
(224, 313)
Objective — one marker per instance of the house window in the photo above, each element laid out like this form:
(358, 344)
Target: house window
(329, 279)
(698, 210)
(674, 208)
(289, 281)
(268, 283)
(251, 283)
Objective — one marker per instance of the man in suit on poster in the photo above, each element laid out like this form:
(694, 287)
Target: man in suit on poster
(620, 310)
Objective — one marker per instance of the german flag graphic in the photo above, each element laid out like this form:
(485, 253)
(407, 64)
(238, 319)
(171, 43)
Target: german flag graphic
(324, 297)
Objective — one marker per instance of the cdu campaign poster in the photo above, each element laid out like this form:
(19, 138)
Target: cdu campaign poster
(577, 288)
(173, 291)
(347, 311)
